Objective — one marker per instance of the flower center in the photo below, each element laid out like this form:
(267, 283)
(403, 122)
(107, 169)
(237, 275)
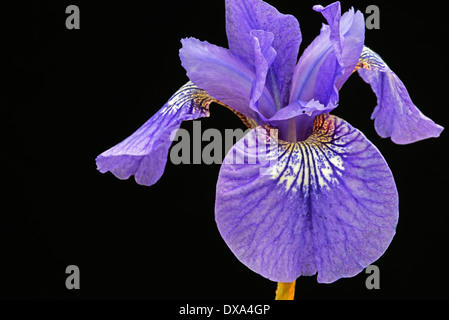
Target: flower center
(297, 129)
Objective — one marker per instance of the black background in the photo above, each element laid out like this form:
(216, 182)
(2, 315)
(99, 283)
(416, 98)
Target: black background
(71, 94)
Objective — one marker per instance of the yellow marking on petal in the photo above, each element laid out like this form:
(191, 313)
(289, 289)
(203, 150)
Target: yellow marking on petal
(201, 100)
(186, 94)
(363, 64)
(371, 61)
(285, 291)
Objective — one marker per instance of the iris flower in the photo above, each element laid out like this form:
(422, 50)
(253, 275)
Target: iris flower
(329, 204)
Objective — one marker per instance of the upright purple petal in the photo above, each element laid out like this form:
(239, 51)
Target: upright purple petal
(243, 16)
(264, 54)
(144, 153)
(325, 90)
(328, 62)
(352, 26)
(227, 77)
(332, 13)
(347, 37)
(395, 114)
(327, 205)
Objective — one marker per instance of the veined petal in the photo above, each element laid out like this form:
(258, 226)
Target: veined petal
(144, 153)
(243, 16)
(352, 26)
(329, 60)
(264, 54)
(395, 114)
(328, 204)
(225, 76)
(332, 13)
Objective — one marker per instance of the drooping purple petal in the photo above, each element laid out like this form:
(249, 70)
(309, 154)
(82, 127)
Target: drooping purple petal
(330, 59)
(327, 205)
(226, 77)
(144, 153)
(243, 16)
(395, 115)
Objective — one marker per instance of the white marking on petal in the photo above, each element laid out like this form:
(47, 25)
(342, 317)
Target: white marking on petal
(315, 163)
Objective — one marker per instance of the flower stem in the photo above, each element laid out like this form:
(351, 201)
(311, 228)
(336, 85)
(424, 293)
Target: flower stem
(285, 291)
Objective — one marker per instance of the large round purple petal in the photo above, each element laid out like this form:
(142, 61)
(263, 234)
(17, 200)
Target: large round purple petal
(395, 115)
(144, 153)
(326, 205)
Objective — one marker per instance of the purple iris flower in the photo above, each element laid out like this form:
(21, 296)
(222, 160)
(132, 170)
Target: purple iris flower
(329, 204)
